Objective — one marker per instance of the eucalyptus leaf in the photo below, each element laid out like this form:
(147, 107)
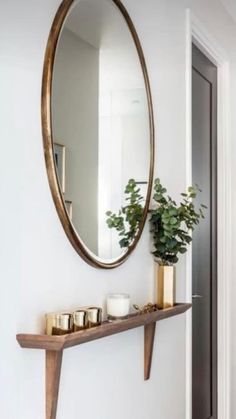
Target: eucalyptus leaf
(128, 219)
(170, 224)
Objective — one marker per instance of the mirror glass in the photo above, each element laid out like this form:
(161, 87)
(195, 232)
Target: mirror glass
(100, 122)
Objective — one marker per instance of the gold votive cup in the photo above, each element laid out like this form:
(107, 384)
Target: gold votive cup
(94, 316)
(80, 319)
(59, 323)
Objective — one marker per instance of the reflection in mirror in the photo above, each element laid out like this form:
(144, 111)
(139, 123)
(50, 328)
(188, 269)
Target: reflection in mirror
(100, 121)
(127, 221)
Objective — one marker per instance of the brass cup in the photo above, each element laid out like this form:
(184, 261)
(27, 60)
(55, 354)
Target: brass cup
(94, 316)
(59, 323)
(80, 319)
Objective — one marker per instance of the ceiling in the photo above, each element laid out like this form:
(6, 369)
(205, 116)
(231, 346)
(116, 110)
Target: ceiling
(102, 26)
(230, 6)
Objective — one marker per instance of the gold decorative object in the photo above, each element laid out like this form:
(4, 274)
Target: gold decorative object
(165, 286)
(94, 316)
(62, 323)
(80, 319)
(59, 323)
(148, 308)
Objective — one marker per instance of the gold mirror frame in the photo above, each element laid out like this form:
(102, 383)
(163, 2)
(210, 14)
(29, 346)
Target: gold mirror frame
(48, 137)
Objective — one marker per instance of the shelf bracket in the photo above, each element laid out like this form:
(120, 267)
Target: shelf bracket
(149, 335)
(53, 373)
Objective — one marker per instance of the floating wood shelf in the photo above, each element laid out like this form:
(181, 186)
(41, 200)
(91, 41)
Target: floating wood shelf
(54, 346)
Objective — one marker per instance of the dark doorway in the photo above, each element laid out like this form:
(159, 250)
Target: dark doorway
(204, 265)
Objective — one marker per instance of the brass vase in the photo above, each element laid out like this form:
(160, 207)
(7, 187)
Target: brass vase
(165, 286)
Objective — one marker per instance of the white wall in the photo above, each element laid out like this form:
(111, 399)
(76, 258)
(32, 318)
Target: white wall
(233, 282)
(40, 271)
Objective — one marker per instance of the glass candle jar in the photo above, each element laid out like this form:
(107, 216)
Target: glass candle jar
(118, 306)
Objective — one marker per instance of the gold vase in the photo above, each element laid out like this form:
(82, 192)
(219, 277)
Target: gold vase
(165, 286)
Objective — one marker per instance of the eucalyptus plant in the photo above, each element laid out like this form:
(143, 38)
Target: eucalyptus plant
(171, 224)
(128, 219)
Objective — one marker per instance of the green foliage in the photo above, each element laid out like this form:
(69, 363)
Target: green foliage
(171, 224)
(127, 221)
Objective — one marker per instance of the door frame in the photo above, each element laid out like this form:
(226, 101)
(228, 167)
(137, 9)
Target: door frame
(197, 33)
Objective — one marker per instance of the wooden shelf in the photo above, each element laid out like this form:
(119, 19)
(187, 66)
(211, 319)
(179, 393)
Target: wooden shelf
(54, 346)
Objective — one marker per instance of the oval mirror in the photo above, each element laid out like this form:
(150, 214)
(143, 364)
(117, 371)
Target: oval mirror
(98, 129)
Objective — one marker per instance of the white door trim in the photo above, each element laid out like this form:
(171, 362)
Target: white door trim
(197, 33)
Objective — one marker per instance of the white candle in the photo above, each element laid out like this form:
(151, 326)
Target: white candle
(118, 305)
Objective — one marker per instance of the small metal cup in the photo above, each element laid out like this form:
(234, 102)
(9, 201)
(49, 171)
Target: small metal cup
(94, 316)
(59, 323)
(80, 319)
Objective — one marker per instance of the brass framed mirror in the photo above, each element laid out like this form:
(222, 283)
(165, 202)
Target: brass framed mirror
(97, 124)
